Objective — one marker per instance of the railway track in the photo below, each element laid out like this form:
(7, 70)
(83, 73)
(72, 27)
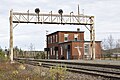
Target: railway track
(104, 70)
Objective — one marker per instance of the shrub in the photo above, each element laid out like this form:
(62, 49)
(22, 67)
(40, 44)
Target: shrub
(2, 56)
(40, 56)
(57, 72)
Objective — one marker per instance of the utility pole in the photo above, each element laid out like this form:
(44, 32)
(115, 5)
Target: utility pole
(11, 36)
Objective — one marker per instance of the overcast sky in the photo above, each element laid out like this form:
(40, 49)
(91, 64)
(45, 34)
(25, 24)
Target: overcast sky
(106, 12)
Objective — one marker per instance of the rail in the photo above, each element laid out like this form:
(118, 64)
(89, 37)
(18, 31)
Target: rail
(104, 70)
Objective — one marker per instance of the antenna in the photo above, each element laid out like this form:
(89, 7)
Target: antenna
(78, 13)
(83, 11)
(78, 10)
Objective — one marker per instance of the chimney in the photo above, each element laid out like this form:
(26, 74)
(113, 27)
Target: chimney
(78, 29)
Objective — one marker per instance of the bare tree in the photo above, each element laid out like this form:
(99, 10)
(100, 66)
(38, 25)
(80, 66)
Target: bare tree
(110, 41)
(32, 50)
(108, 44)
(104, 44)
(31, 47)
(117, 43)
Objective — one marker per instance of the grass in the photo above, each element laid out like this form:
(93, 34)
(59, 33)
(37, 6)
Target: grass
(21, 71)
(111, 58)
(17, 71)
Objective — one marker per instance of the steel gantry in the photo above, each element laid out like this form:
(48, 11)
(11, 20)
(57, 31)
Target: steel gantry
(50, 18)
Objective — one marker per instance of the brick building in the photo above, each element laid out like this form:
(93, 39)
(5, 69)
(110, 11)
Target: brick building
(70, 45)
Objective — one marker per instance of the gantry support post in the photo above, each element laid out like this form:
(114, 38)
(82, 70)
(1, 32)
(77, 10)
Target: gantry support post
(92, 38)
(11, 36)
(94, 56)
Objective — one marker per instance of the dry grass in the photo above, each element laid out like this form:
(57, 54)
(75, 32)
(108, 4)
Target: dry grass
(20, 71)
(17, 71)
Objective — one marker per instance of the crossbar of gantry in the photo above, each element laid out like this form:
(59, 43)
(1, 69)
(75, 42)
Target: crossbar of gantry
(42, 18)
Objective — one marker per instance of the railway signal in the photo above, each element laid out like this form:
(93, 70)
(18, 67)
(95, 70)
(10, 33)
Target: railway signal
(50, 18)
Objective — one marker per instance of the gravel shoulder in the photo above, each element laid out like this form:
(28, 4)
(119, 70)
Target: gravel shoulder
(68, 76)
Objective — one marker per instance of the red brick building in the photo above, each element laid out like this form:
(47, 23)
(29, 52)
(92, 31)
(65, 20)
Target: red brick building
(70, 45)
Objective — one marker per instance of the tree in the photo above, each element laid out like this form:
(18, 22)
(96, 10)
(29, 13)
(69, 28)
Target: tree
(117, 43)
(32, 50)
(21, 53)
(104, 44)
(110, 42)
(31, 47)
(108, 45)
(40, 55)
(0, 49)
(2, 54)
(16, 48)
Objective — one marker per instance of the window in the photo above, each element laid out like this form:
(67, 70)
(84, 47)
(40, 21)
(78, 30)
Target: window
(51, 51)
(61, 50)
(51, 39)
(76, 37)
(86, 49)
(48, 40)
(65, 37)
(56, 38)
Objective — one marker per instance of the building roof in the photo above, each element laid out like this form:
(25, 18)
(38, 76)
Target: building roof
(66, 32)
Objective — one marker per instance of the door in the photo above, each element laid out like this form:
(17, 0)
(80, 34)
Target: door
(68, 54)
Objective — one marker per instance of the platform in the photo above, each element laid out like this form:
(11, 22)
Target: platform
(106, 62)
